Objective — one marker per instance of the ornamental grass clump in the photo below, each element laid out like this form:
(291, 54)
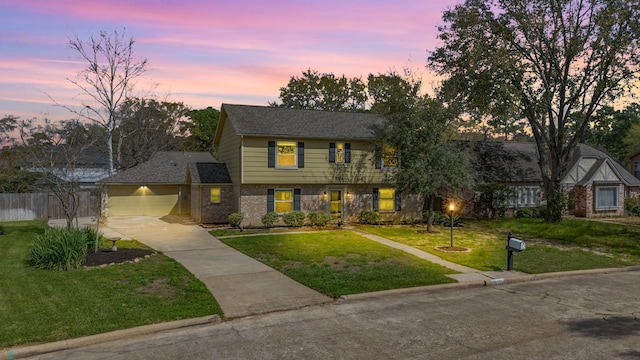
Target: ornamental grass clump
(59, 249)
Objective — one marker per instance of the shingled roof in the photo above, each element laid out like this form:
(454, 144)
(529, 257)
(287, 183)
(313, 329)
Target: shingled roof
(299, 123)
(517, 162)
(209, 173)
(164, 167)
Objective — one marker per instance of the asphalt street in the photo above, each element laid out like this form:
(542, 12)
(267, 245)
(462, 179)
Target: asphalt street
(595, 316)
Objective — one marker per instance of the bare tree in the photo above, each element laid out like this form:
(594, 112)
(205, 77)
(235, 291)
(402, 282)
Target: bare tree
(106, 80)
(47, 152)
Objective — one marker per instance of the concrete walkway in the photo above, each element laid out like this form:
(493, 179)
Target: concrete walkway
(241, 285)
(467, 274)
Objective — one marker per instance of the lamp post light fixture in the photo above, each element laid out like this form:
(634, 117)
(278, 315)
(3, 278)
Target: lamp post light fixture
(452, 207)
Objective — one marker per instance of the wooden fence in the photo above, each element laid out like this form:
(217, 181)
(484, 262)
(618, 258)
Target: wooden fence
(31, 206)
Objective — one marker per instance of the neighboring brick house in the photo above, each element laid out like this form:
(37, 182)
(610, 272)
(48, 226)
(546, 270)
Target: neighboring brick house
(597, 185)
(282, 159)
(171, 183)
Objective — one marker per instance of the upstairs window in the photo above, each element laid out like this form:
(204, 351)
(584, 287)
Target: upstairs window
(387, 158)
(636, 169)
(339, 153)
(286, 154)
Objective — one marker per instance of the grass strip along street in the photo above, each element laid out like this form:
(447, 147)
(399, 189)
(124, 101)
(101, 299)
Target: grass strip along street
(574, 244)
(43, 306)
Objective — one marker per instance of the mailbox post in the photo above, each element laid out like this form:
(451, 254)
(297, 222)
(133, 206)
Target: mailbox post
(514, 246)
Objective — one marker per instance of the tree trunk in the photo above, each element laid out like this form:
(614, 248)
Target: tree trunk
(429, 203)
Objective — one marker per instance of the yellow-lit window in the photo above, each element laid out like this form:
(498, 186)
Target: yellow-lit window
(287, 151)
(387, 200)
(339, 153)
(215, 195)
(390, 157)
(283, 201)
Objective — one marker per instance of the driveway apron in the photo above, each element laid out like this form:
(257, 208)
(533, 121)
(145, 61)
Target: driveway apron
(241, 285)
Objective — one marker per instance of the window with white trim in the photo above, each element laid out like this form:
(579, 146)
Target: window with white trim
(390, 157)
(286, 154)
(606, 198)
(524, 196)
(283, 200)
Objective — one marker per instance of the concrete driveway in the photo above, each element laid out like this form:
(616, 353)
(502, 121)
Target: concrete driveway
(241, 285)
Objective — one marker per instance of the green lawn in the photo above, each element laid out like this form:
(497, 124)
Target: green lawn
(550, 247)
(340, 262)
(44, 306)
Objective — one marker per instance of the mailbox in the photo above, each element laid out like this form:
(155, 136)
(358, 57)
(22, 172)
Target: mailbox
(514, 246)
(517, 245)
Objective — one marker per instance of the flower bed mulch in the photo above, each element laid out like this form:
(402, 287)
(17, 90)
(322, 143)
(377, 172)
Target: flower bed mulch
(106, 257)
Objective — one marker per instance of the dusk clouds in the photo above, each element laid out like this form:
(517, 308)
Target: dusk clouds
(204, 53)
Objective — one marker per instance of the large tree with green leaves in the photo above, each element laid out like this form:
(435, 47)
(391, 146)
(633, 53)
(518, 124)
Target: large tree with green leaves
(557, 61)
(430, 163)
(323, 91)
(610, 126)
(198, 129)
(146, 126)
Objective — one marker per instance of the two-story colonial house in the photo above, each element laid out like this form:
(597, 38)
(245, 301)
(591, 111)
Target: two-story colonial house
(282, 159)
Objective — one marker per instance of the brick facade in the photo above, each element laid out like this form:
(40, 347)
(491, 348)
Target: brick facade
(253, 202)
(204, 211)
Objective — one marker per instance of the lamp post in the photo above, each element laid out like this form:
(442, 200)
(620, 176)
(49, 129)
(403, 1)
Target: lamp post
(452, 207)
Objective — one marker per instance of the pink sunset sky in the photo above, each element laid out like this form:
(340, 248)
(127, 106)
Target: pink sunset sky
(205, 53)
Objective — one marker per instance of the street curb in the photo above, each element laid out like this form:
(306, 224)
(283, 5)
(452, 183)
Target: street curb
(483, 283)
(40, 349)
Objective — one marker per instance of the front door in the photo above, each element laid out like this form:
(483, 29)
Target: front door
(335, 204)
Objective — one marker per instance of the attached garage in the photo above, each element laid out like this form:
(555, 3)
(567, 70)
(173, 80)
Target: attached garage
(156, 200)
(161, 186)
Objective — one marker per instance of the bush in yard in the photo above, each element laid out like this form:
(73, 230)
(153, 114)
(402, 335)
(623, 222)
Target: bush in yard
(294, 218)
(369, 218)
(319, 218)
(59, 249)
(1, 230)
(269, 219)
(235, 219)
(531, 213)
(632, 205)
(493, 199)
